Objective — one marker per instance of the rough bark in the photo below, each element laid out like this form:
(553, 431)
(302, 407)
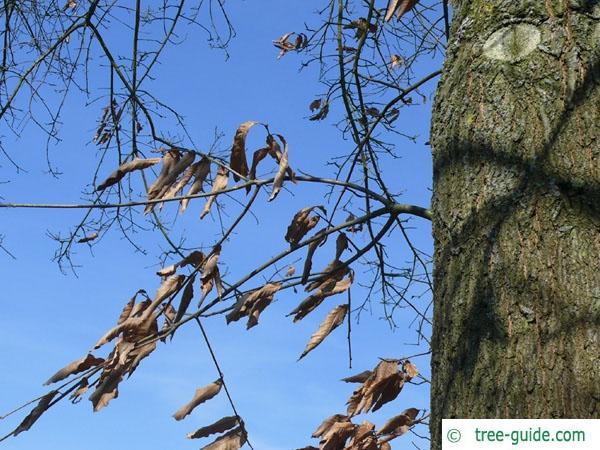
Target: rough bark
(516, 147)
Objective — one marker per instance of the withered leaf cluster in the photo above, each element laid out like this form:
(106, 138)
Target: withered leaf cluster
(330, 283)
(284, 44)
(302, 223)
(251, 304)
(361, 27)
(233, 439)
(321, 108)
(111, 114)
(381, 386)
(338, 432)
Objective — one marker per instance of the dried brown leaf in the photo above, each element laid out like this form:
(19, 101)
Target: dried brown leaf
(364, 438)
(328, 423)
(410, 370)
(399, 8)
(281, 171)
(39, 409)
(320, 238)
(233, 440)
(219, 183)
(201, 169)
(384, 385)
(186, 298)
(253, 303)
(238, 161)
(74, 367)
(177, 187)
(258, 156)
(284, 44)
(124, 169)
(358, 378)
(160, 188)
(337, 435)
(301, 224)
(169, 159)
(88, 238)
(315, 104)
(399, 425)
(203, 394)
(341, 244)
(322, 113)
(333, 320)
(224, 424)
(291, 270)
(328, 288)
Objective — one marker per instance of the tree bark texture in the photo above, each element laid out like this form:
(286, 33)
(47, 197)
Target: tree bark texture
(516, 149)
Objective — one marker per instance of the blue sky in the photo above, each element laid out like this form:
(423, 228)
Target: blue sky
(49, 319)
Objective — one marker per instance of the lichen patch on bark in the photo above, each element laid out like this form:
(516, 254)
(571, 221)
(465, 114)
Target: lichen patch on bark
(512, 43)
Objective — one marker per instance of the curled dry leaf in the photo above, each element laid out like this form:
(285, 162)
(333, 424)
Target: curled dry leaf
(358, 378)
(140, 314)
(341, 244)
(39, 409)
(169, 314)
(328, 423)
(210, 273)
(238, 162)
(399, 7)
(333, 320)
(169, 159)
(384, 385)
(124, 169)
(332, 285)
(168, 287)
(136, 323)
(320, 238)
(398, 425)
(176, 188)
(161, 188)
(321, 113)
(396, 61)
(224, 424)
(302, 223)
(88, 238)
(337, 435)
(410, 370)
(253, 303)
(74, 367)
(284, 44)
(291, 270)
(219, 183)
(186, 298)
(203, 394)
(362, 27)
(364, 438)
(281, 171)
(200, 169)
(233, 440)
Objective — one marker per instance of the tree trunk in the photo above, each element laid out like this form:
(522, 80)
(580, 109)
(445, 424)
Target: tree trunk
(516, 142)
